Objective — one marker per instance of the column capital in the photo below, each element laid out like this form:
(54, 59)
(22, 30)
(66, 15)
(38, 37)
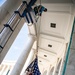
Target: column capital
(33, 36)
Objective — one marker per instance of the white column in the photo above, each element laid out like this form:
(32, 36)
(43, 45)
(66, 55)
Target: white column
(61, 65)
(54, 71)
(22, 59)
(60, 69)
(10, 68)
(29, 60)
(2, 69)
(48, 71)
(5, 72)
(55, 67)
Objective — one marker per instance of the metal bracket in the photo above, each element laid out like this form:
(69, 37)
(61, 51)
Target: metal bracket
(7, 25)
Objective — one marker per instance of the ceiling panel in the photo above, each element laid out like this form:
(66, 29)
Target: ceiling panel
(49, 57)
(55, 24)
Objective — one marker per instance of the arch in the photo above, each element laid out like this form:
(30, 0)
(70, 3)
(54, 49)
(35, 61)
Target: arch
(45, 72)
(58, 66)
(51, 71)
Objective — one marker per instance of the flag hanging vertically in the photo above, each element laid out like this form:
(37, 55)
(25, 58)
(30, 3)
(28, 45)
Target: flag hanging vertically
(33, 68)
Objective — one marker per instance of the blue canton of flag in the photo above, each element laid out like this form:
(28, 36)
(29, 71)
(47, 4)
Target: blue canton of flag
(33, 68)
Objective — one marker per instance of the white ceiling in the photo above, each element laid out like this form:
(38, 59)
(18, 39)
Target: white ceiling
(49, 56)
(56, 1)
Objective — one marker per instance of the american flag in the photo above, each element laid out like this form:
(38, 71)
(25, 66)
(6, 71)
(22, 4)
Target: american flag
(33, 68)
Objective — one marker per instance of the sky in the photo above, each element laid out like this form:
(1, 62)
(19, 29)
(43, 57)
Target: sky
(2, 1)
(18, 45)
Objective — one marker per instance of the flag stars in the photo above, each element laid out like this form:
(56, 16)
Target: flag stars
(33, 68)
